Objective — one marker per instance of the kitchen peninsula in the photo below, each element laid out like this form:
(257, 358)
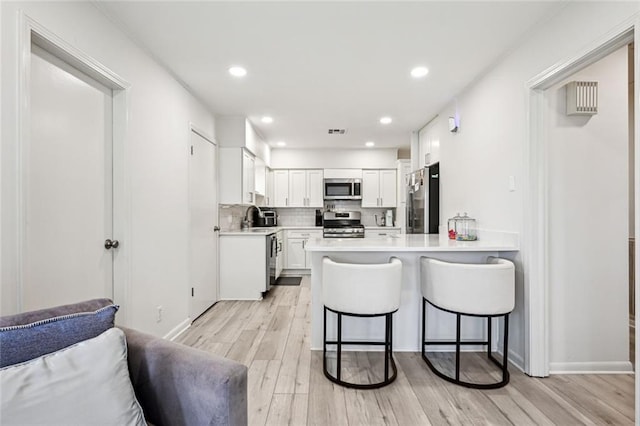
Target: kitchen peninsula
(408, 248)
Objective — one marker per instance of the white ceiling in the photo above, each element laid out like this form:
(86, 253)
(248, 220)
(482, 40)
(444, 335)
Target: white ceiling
(319, 65)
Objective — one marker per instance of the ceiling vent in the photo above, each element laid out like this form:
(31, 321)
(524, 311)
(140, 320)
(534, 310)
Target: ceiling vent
(582, 98)
(337, 131)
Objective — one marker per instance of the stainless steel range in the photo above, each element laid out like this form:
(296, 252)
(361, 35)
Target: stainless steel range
(342, 225)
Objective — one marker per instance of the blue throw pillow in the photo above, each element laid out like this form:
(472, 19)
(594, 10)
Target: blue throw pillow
(19, 343)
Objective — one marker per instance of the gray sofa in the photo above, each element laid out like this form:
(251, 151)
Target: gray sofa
(175, 384)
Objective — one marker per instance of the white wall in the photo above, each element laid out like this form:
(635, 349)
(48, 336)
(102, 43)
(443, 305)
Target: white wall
(334, 158)
(477, 161)
(157, 141)
(588, 222)
(237, 131)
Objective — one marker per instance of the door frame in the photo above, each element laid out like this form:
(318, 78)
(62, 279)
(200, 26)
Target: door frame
(536, 209)
(193, 128)
(30, 31)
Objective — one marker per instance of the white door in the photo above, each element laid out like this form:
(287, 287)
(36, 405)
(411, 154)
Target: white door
(315, 195)
(297, 188)
(67, 187)
(280, 188)
(370, 188)
(388, 188)
(203, 256)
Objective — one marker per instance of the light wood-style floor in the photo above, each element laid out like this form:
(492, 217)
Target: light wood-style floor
(286, 385)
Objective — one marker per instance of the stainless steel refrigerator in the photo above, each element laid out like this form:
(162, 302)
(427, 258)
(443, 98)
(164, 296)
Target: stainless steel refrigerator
(423, 200)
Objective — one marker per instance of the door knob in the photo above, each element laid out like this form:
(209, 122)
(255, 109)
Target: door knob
(216, 228)
(111, 244)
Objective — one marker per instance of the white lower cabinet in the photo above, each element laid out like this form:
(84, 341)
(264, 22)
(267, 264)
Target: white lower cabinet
(296, 256)
(237, 280)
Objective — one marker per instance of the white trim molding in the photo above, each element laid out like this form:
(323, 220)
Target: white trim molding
(536, 220)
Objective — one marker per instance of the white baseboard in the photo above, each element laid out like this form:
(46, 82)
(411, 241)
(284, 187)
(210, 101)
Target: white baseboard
(178, 330)
(516, 360)
(611, 367)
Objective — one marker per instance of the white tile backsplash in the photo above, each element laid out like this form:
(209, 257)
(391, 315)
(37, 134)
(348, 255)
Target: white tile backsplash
(231, 215)
(296, 217)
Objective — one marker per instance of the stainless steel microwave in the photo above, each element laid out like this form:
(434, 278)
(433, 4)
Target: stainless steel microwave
(343, 189)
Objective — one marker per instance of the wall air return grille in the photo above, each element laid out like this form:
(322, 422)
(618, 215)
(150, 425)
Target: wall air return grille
(582, 98)
(337, 131)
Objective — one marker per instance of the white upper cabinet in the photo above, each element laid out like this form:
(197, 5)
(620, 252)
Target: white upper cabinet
(305, 188)
(261, 177)
(269, 189)
(343, 173)
(280, 188)
(242, 155)
(237, 176)
(388, 188)
(315, 193)
(248, 178)
(379, 188)
(297, 188)
(370, 188)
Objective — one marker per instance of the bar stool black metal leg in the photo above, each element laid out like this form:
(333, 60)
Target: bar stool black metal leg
(457, 346)
(489, 336)
(324, 340)
(391, 335)
(424, 331)
(386, 347)
(339, 354)
(505, 350)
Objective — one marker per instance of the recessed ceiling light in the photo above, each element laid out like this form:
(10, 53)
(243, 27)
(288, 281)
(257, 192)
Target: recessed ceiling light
(370, 144)
(237, 71)
(418, 72)
(267, 119)
(281, 143)
(386, 120)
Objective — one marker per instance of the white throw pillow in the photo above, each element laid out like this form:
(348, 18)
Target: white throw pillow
(85, 384)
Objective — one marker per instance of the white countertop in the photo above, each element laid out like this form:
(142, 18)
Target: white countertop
(488, 241)
(259, 232)
(267, 230)
(271, 230)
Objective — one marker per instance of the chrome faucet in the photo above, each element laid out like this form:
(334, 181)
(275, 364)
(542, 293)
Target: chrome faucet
(246, 221)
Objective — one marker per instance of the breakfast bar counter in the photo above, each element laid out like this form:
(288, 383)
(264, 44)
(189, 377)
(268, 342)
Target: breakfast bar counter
(409, 248)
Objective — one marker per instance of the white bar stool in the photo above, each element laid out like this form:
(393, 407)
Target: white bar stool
(361, 290)
(477, 290)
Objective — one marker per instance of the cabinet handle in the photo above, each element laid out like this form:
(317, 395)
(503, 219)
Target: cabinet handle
(286, 201)
(303, 241)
